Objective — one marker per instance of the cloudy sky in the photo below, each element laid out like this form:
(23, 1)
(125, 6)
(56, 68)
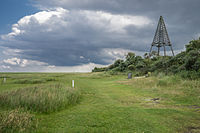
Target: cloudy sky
(77, 35)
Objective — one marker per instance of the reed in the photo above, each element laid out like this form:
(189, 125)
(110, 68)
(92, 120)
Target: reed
(42, 99)
(17, 121)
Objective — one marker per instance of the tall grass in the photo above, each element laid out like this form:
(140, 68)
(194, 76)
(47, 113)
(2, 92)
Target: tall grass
(43, 99)
(17, 121)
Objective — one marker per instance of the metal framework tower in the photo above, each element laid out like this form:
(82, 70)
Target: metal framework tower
(161, 38)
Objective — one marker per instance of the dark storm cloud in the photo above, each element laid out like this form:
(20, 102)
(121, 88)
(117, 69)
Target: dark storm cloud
(182, 16)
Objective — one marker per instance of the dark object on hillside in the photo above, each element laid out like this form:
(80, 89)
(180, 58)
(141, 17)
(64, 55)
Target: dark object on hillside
(129, 75)
(161, 38)
(155, 99)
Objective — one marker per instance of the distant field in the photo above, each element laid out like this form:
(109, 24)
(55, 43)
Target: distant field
(45, 102)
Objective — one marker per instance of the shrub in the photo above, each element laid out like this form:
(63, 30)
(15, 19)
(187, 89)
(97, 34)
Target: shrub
(43, 99)
(17, 121)
(190, 60)
(193, 45)
(98, 69)
(131, 67)
(117, 63)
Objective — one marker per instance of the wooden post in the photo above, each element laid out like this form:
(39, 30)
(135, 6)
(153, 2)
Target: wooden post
(72, 83)
(4, 80)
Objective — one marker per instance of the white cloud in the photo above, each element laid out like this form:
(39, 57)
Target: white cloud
(111, 54)
(23, 62)
(12, 52)
(28, 23)
(115, 22)
(4, 67)
(12, 61)
(24, 65)
(82, 57)
(51, 66)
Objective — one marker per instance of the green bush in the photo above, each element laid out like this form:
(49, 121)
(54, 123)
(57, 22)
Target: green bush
(43, 99)
(99, 69)
(131, 67)
(17, 121)
(193, 45)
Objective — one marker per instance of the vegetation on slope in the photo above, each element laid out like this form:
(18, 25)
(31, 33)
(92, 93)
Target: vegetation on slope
(186, 63)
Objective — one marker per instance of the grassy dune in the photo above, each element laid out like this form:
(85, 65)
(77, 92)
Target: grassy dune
(162, 104)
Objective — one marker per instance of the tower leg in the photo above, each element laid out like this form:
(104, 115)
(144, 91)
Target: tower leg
(172, 50)
(164, 50)
(150, 50)
(158, 51)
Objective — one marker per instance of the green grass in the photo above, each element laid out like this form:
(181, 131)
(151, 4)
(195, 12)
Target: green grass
(112, 103)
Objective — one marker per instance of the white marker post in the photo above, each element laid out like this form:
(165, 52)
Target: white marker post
(4, 80)
(72, 83)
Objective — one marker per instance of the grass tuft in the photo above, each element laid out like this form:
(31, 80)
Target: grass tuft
(162, 82)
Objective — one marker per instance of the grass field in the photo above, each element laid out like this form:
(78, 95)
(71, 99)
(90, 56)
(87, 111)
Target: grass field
(162, 104)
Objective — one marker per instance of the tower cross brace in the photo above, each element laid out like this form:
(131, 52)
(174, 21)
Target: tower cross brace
(161, 38)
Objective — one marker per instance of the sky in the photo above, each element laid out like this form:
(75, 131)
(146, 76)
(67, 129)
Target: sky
(78, 35)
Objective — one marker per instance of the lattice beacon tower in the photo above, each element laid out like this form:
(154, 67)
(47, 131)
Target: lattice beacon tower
(161, 38)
